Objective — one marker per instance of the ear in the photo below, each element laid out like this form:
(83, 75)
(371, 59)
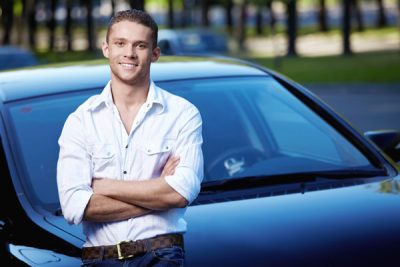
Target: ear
(155, 54)
(105, 49)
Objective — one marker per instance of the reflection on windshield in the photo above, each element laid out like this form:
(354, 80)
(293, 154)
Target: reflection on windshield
(254, 127)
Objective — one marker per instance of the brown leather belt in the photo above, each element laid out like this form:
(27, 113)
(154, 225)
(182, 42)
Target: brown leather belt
(128, 249)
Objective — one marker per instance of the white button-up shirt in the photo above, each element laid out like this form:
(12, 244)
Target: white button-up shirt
(94, 143)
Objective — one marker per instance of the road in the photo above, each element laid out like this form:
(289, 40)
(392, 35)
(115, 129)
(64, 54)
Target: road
(366, 106)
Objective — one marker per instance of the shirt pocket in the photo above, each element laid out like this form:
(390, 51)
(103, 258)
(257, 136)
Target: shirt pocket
(158, 147)
(103, 159)
(155, 154)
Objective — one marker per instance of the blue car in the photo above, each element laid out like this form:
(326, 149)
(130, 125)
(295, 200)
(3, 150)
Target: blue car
(12, 57)
(192, 42)
(287, 182)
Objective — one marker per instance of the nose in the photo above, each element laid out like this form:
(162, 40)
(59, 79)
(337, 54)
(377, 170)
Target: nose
(130, 52)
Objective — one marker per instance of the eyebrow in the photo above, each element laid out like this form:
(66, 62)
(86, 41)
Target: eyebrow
(126, 40)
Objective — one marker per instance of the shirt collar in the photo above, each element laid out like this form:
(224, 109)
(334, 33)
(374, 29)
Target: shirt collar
(155, 97)
(105, 98)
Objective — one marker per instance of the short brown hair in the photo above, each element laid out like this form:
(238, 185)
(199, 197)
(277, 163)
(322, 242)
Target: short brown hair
(137, 16)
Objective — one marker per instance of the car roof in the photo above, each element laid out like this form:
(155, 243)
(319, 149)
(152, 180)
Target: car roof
(53, 79)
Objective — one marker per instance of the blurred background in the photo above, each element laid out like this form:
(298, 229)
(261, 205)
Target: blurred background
(346, 51)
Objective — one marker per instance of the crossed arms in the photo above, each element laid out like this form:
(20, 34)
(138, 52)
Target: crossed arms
(115, 200)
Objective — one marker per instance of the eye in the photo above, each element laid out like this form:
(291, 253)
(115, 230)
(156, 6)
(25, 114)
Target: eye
(119, 43)
(141, 45)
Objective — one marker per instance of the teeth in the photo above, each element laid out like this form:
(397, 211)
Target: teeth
(126, 65)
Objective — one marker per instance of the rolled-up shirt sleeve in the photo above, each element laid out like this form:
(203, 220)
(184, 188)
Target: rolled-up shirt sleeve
(189, 173)
(73, 171)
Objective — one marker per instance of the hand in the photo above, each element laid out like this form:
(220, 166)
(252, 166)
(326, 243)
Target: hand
(170, 165)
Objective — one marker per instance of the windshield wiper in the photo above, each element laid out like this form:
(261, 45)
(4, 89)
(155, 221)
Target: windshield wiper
(257, 181)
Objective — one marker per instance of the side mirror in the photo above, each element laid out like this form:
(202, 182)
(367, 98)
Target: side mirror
(388, 141)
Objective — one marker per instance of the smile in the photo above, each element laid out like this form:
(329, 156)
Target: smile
(128, 65)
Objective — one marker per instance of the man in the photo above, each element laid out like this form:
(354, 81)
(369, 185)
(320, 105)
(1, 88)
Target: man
(130, 158)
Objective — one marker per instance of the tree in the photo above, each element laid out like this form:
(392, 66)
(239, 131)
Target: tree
(205, 7)
(346, 27)
(291, 11)
(381, 19)
(137, 4)
(355, 6)
(32, 24)
(52, 24)
(171, 22)
(68, 24)
(228, 15)
(259, 20)
(242, 25)
(7, 19)
(322, 16)
(272, 17)
(89, 25)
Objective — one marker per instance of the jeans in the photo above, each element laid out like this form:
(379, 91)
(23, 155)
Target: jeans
(163, 257)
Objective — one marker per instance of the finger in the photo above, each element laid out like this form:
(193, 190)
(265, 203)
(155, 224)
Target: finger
(171, 162)
(169, 168)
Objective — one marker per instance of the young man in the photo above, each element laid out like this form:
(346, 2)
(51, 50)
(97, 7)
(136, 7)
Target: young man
(130, 158)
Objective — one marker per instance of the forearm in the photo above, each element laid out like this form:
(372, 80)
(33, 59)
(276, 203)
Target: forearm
(105, 209)
(153, 194)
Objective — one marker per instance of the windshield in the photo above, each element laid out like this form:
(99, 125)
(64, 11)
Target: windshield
(252, 126)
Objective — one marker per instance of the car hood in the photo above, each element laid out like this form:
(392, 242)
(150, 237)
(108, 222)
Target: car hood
(346, 226)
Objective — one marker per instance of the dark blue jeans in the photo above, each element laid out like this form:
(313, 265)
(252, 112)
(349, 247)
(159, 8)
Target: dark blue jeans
(163, 257)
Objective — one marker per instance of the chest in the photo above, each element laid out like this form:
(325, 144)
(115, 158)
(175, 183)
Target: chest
(115, 153)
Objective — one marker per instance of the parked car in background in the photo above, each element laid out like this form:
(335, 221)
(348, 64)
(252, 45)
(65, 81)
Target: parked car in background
(192, 42)
(12, 57)
(288, 182)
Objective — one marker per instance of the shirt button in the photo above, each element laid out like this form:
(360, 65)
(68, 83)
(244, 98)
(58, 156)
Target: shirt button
(126, 146)
(149, 150)
(125, 172)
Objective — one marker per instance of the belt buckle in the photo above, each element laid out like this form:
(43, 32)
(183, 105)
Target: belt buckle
(120, 256)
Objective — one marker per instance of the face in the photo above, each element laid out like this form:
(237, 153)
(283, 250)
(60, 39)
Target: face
(130, 53)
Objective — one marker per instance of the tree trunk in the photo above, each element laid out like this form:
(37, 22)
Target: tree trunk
(7, 19)
(89, 25)
(228, 15)
(259, 20)
(322, 16)
(68, 25)
(291, 27)
(272, 17)
(171, 22)
(112, 8)
(381, 20)
(242, 26)
(205, 6)
(355, 4)
(32, 24)
(137, 4)
(346, 27)
(52, 24)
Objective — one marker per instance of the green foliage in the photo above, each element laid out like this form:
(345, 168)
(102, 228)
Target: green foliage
(378, 67)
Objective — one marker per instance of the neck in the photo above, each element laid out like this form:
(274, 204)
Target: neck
(129, 96)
